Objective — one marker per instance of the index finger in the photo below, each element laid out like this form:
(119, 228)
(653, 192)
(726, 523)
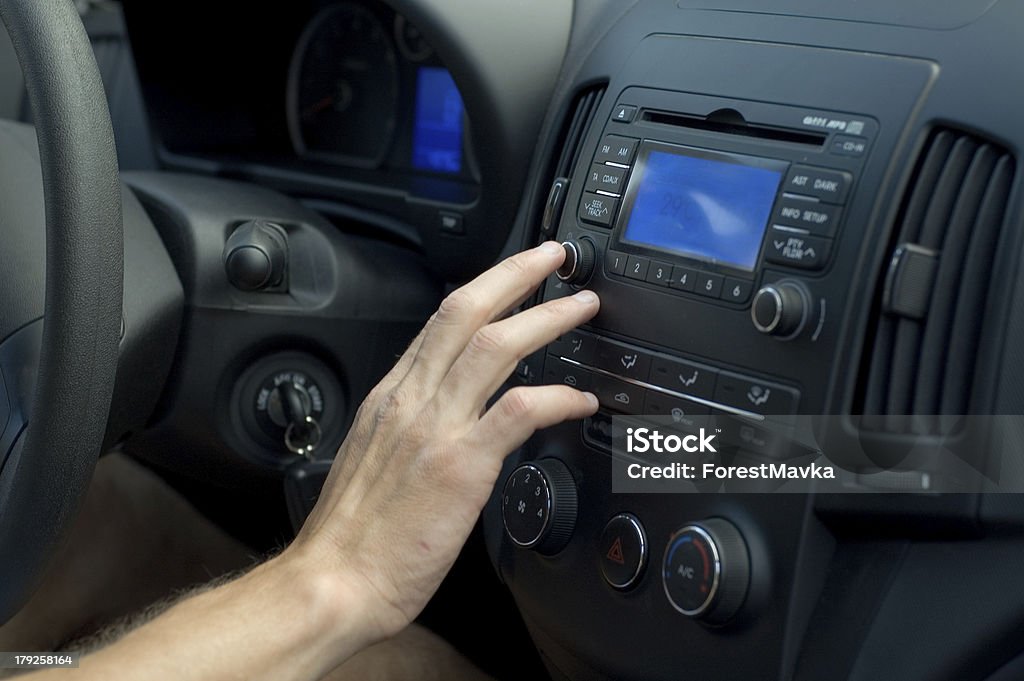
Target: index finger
(477, 303)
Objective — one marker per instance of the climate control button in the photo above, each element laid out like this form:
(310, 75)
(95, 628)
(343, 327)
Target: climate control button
(538, 506)
(706, 570)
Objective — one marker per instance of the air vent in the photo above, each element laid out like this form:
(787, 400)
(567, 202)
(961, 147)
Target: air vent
(554, 181)
(930, 309)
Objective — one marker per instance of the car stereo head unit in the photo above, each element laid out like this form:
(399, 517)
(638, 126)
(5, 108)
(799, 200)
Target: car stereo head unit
(702, 202)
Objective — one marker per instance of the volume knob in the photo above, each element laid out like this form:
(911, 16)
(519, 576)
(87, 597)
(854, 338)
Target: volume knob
(781, 309)
(580, 257)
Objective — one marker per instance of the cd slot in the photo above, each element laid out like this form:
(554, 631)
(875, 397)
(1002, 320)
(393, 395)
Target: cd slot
(733, 125)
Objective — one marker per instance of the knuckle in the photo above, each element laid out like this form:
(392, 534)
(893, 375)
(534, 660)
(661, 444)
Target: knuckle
(487, 340)
(390, 406)
(518, 403)
(456, 304)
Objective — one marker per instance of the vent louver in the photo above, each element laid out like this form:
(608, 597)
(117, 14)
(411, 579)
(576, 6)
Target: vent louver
(930, 310)
(563, 159)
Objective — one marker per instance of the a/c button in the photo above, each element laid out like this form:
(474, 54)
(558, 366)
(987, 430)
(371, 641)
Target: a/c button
(623, 551)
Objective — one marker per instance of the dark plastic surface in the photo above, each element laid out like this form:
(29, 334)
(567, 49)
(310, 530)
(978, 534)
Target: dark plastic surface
(352, 305)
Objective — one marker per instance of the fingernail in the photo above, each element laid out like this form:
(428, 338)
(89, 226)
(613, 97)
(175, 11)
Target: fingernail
(551, 247)
(592, 398)
(586, 297)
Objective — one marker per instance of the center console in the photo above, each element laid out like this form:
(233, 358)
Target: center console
(728, 202)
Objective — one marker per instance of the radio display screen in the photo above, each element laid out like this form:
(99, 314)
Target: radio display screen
(702, 204)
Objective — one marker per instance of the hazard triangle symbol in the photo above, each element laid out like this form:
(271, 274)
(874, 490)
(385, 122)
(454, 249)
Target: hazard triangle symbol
(615, 552)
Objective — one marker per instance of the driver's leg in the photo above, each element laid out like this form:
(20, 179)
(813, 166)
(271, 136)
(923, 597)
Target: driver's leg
(137, 542)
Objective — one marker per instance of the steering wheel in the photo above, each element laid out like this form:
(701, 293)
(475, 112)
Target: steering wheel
(65, 382)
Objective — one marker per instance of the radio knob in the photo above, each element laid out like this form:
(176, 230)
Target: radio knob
(580, 257)
(781, 309)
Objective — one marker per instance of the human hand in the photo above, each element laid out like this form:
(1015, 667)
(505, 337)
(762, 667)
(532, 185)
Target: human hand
(424, 451)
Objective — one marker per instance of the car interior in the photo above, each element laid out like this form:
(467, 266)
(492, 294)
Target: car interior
(802, 218)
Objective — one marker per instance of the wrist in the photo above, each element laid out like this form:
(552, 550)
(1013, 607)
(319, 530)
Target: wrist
(342, 609)
(329, 611)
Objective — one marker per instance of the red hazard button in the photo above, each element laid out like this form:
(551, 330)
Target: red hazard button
(623, 551)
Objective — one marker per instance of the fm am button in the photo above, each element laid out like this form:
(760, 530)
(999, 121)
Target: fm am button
(623, 551)
(828, 185)
(616, 149)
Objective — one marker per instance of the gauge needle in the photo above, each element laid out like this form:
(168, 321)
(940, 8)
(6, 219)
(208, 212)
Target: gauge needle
(319, 106)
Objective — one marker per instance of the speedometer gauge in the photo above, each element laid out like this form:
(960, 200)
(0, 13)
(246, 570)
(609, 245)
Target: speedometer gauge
(343, 87)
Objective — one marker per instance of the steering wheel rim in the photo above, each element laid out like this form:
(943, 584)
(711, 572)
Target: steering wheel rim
(45, 475)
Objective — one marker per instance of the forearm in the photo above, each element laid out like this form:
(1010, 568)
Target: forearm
(284, 620)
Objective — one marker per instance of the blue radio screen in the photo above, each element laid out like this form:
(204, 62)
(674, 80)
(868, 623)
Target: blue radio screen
(713, 207)
(437, 132)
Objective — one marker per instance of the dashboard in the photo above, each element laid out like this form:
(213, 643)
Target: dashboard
(804, 223)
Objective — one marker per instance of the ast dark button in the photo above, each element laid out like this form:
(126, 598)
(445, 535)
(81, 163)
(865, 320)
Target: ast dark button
(636, 268)
(623, 113)
(814, 216)
(659, 273)
(797, 250)
(685, 413)
(556, 371)
(598, 209)
(615, 262)
(606, 178)
(684, 377)
(618, 395)
(616, 149)
(576, 345)
(683, 278)
(708, 284)
(848, 145)
(827, 185)
(623, 360)
(623, 548)
(737, 290)
(755, 395)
